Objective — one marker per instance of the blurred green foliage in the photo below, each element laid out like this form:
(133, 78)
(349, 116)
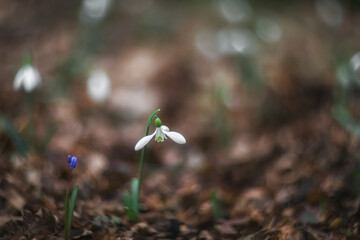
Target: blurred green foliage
(131, 200)
(346, 92)
(224, 130)
(14, 135)
(215, 204)
(249, 73)
(69, 210)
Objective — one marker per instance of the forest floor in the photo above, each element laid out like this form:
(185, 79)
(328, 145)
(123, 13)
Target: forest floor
(279, 163)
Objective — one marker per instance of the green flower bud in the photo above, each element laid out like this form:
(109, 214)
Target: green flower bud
(27, 59)
(158, 122)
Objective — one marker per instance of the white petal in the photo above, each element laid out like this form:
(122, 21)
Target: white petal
(176, 137)
(159, 133)
(98, 85)
(19, 79)
(27, 77)
(142, 142)
(165, 128)
(32, 78)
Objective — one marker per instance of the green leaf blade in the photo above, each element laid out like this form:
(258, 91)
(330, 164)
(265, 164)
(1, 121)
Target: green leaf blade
(215, 204)
(135, 195)
(131, 214)
(66, 214)
(72, 207)
(14, 136)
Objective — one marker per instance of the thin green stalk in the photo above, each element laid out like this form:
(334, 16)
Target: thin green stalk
(215, 204)
(72, 207)
(69, 210)
(29, 97)
(69, 205)
(142, 157)
(66, 215)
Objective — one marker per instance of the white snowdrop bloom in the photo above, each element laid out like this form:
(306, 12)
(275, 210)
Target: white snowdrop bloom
(268, 29)
(355, 62)
(161, 133)
(355, 65)
(237, 41)
(330, 12)
(235, 11)
(27, 77)
(93, 11)
(206, 44)
(98, 86)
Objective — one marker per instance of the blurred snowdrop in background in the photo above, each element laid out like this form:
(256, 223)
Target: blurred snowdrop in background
(355, 65)
(206, 44)
(98, 86)
(237, 41)
(28, 77)
(243, 41)
(330, 12)
(223, 40)
(342, 75)
(268, 30)
(235, 11)
(93, 11)
(227, 41)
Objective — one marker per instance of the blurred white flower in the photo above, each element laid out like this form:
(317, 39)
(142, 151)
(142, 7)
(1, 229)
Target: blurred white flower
(343, 76)
(27, 77)
(268, 30)
(98, 86)
(205, 42)
(94, 10)
(237, 41)
(355, 61)
(235, 11)
(330, 12)
(355, 65)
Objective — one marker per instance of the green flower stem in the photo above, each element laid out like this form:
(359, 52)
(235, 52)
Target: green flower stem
(66, 215)
(140, 172)
(215, 204)
(142, 158)
(29, 98)
(69, 209)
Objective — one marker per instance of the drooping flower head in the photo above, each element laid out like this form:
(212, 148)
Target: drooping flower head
(98, 85)
(92, 11)
(72, 160)
(28, 77)
(161, 133)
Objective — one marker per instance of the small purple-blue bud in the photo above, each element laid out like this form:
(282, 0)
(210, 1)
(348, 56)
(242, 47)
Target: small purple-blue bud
(69, 159)
(73, 162)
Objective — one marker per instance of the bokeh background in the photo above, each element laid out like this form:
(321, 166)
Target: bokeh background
(265, 92)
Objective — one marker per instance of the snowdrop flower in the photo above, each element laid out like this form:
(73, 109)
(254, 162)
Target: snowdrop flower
(330, 12)
(161, 133)
(98, 86)
(72, 160)
(27, 77)
(93, 11)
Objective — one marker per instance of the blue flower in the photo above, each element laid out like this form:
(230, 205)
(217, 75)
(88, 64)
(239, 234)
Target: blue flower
(72, 160)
